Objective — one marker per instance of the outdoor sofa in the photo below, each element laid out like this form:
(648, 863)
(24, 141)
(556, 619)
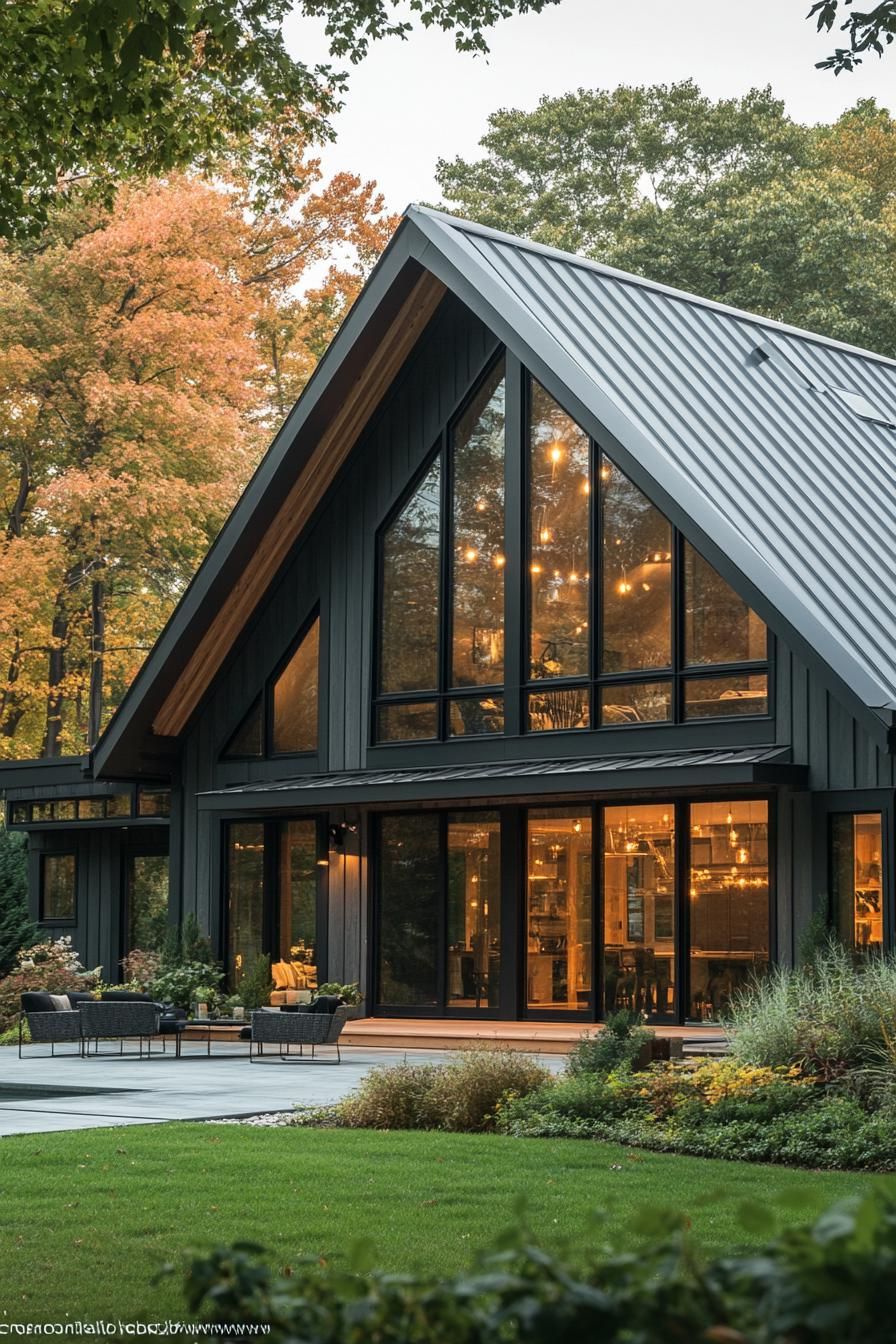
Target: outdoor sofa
(319, 1024)
(78, 1018)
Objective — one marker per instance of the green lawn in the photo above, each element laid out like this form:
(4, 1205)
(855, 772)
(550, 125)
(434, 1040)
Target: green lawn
(88, 1218)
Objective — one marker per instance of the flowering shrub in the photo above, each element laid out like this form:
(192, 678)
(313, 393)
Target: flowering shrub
(141, 968)
(53, 966)
(180, 984)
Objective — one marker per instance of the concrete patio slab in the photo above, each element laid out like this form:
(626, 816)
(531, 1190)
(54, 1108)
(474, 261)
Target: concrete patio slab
(162, 1088)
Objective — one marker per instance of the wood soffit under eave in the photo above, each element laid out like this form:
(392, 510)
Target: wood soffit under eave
(302, 499)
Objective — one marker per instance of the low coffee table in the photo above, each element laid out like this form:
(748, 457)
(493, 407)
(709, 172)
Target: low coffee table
(211, 1025)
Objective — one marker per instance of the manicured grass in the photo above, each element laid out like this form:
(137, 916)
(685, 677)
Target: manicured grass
(88, 1218)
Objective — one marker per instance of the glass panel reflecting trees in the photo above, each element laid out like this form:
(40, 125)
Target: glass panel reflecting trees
(410, 902)
(409, 628)
(299, 882)
(856, 879)
(719, 626)
(637, 577)
(478, 562)
(558, 909)
(295, 700)
(58, 879)
(245, 896)
(639, 903)
(248, 740)
(729, 901)
(560, 547)
(474, 910)
(146, 919)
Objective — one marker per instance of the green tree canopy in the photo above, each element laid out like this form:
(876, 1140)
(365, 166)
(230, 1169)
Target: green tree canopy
(105, 89)
(732, 199)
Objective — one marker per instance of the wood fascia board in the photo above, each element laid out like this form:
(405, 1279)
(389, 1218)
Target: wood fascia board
(302, 499)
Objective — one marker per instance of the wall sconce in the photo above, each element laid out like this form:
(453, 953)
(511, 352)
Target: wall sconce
(338, 830)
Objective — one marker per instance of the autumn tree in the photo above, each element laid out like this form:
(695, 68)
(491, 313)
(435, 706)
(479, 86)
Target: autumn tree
(144, 353)
(99, 90)
(729, 199)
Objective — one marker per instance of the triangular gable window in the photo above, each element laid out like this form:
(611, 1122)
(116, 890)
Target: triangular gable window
(294, 702)
(248, 740)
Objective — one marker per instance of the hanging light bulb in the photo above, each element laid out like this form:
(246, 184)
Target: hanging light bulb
(729, 819)
(577, 827)
(480, 506)
(556, 453)
(470, 554)
(605, 472)
(742, 855)
(623, 587)
(545, 536)
(732, 837)
(586, 487)
(535, 569)
(499, 561)
(573, 576)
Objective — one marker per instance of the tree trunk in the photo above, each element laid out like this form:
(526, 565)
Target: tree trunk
(55, 677)
(12, 709)
(97, 660)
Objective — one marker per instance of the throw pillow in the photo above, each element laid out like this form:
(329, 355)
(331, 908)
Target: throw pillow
(61, 1003)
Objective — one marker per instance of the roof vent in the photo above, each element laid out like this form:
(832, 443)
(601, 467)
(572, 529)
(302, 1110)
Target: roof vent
(859, 404)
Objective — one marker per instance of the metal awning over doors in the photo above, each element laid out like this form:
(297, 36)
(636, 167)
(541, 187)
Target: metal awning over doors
(735, 767)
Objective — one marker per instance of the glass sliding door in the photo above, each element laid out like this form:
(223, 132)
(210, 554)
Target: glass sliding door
(639, 909)
(729, 901)
(856, 846)
(299, 889)
(409, 902)
(146, 891)
(474, 910)
(559, 897)
(245, 896)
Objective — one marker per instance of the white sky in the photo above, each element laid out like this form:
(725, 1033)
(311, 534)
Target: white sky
(412, 102)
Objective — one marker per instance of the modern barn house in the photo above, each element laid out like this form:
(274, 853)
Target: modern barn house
(546, 666)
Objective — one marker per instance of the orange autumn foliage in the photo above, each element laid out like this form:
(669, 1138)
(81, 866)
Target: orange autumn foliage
(145, 355)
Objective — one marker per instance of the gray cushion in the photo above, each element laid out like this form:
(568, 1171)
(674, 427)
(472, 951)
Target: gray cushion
(62, 1003)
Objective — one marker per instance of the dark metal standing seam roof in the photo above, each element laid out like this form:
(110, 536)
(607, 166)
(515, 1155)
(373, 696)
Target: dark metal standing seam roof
(736, 765)
(783, 478)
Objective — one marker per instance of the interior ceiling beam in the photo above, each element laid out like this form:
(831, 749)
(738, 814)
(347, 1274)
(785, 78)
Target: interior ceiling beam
(305, 494)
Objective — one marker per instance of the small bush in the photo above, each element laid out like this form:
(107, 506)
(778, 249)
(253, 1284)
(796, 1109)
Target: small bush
(397, 1097)
(463, 1095)
(53, 965)
(617, 1045)
(467, 1093)
(829, 1283)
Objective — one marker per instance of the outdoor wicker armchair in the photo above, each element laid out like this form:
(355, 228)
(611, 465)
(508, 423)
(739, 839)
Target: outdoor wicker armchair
(47, 1023)
(284, 1030)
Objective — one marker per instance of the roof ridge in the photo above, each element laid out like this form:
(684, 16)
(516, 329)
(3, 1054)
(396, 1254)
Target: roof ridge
(460, 224)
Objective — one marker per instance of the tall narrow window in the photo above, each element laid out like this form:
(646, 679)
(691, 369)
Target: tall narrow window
(146, 919)
(245, 896)
(474, 909)
(58, 888)
(560, 556)
(409, 632)
(639, 904)
(637, 578)
(729, 901)
(300, 880)
(478, 560)
(410, 902)
(295, 697)
(558, 910)
(857, 879)
(719, 626)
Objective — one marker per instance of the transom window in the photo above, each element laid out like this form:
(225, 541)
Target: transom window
(621, 621)
(284, 721)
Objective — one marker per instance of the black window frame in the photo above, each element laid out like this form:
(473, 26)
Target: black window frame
(50, 922)
(444, 693)
(263, 702)
(518, 682)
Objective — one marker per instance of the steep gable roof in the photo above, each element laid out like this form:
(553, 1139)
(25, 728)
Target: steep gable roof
(745, 431)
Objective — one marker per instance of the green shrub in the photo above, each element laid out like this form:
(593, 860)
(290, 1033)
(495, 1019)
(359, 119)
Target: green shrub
(463, 1095)
(617, 1045)
(832, 1016)
(467, 1093)
(52, 965)
(256, 984)
(179, 984)
(398, 1097)
(829, 1283)
(16, 928)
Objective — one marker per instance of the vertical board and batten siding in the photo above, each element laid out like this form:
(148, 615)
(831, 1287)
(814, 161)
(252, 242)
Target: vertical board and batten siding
(332, 567)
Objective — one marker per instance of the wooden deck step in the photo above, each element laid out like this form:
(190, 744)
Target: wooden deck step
(392, 1033)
